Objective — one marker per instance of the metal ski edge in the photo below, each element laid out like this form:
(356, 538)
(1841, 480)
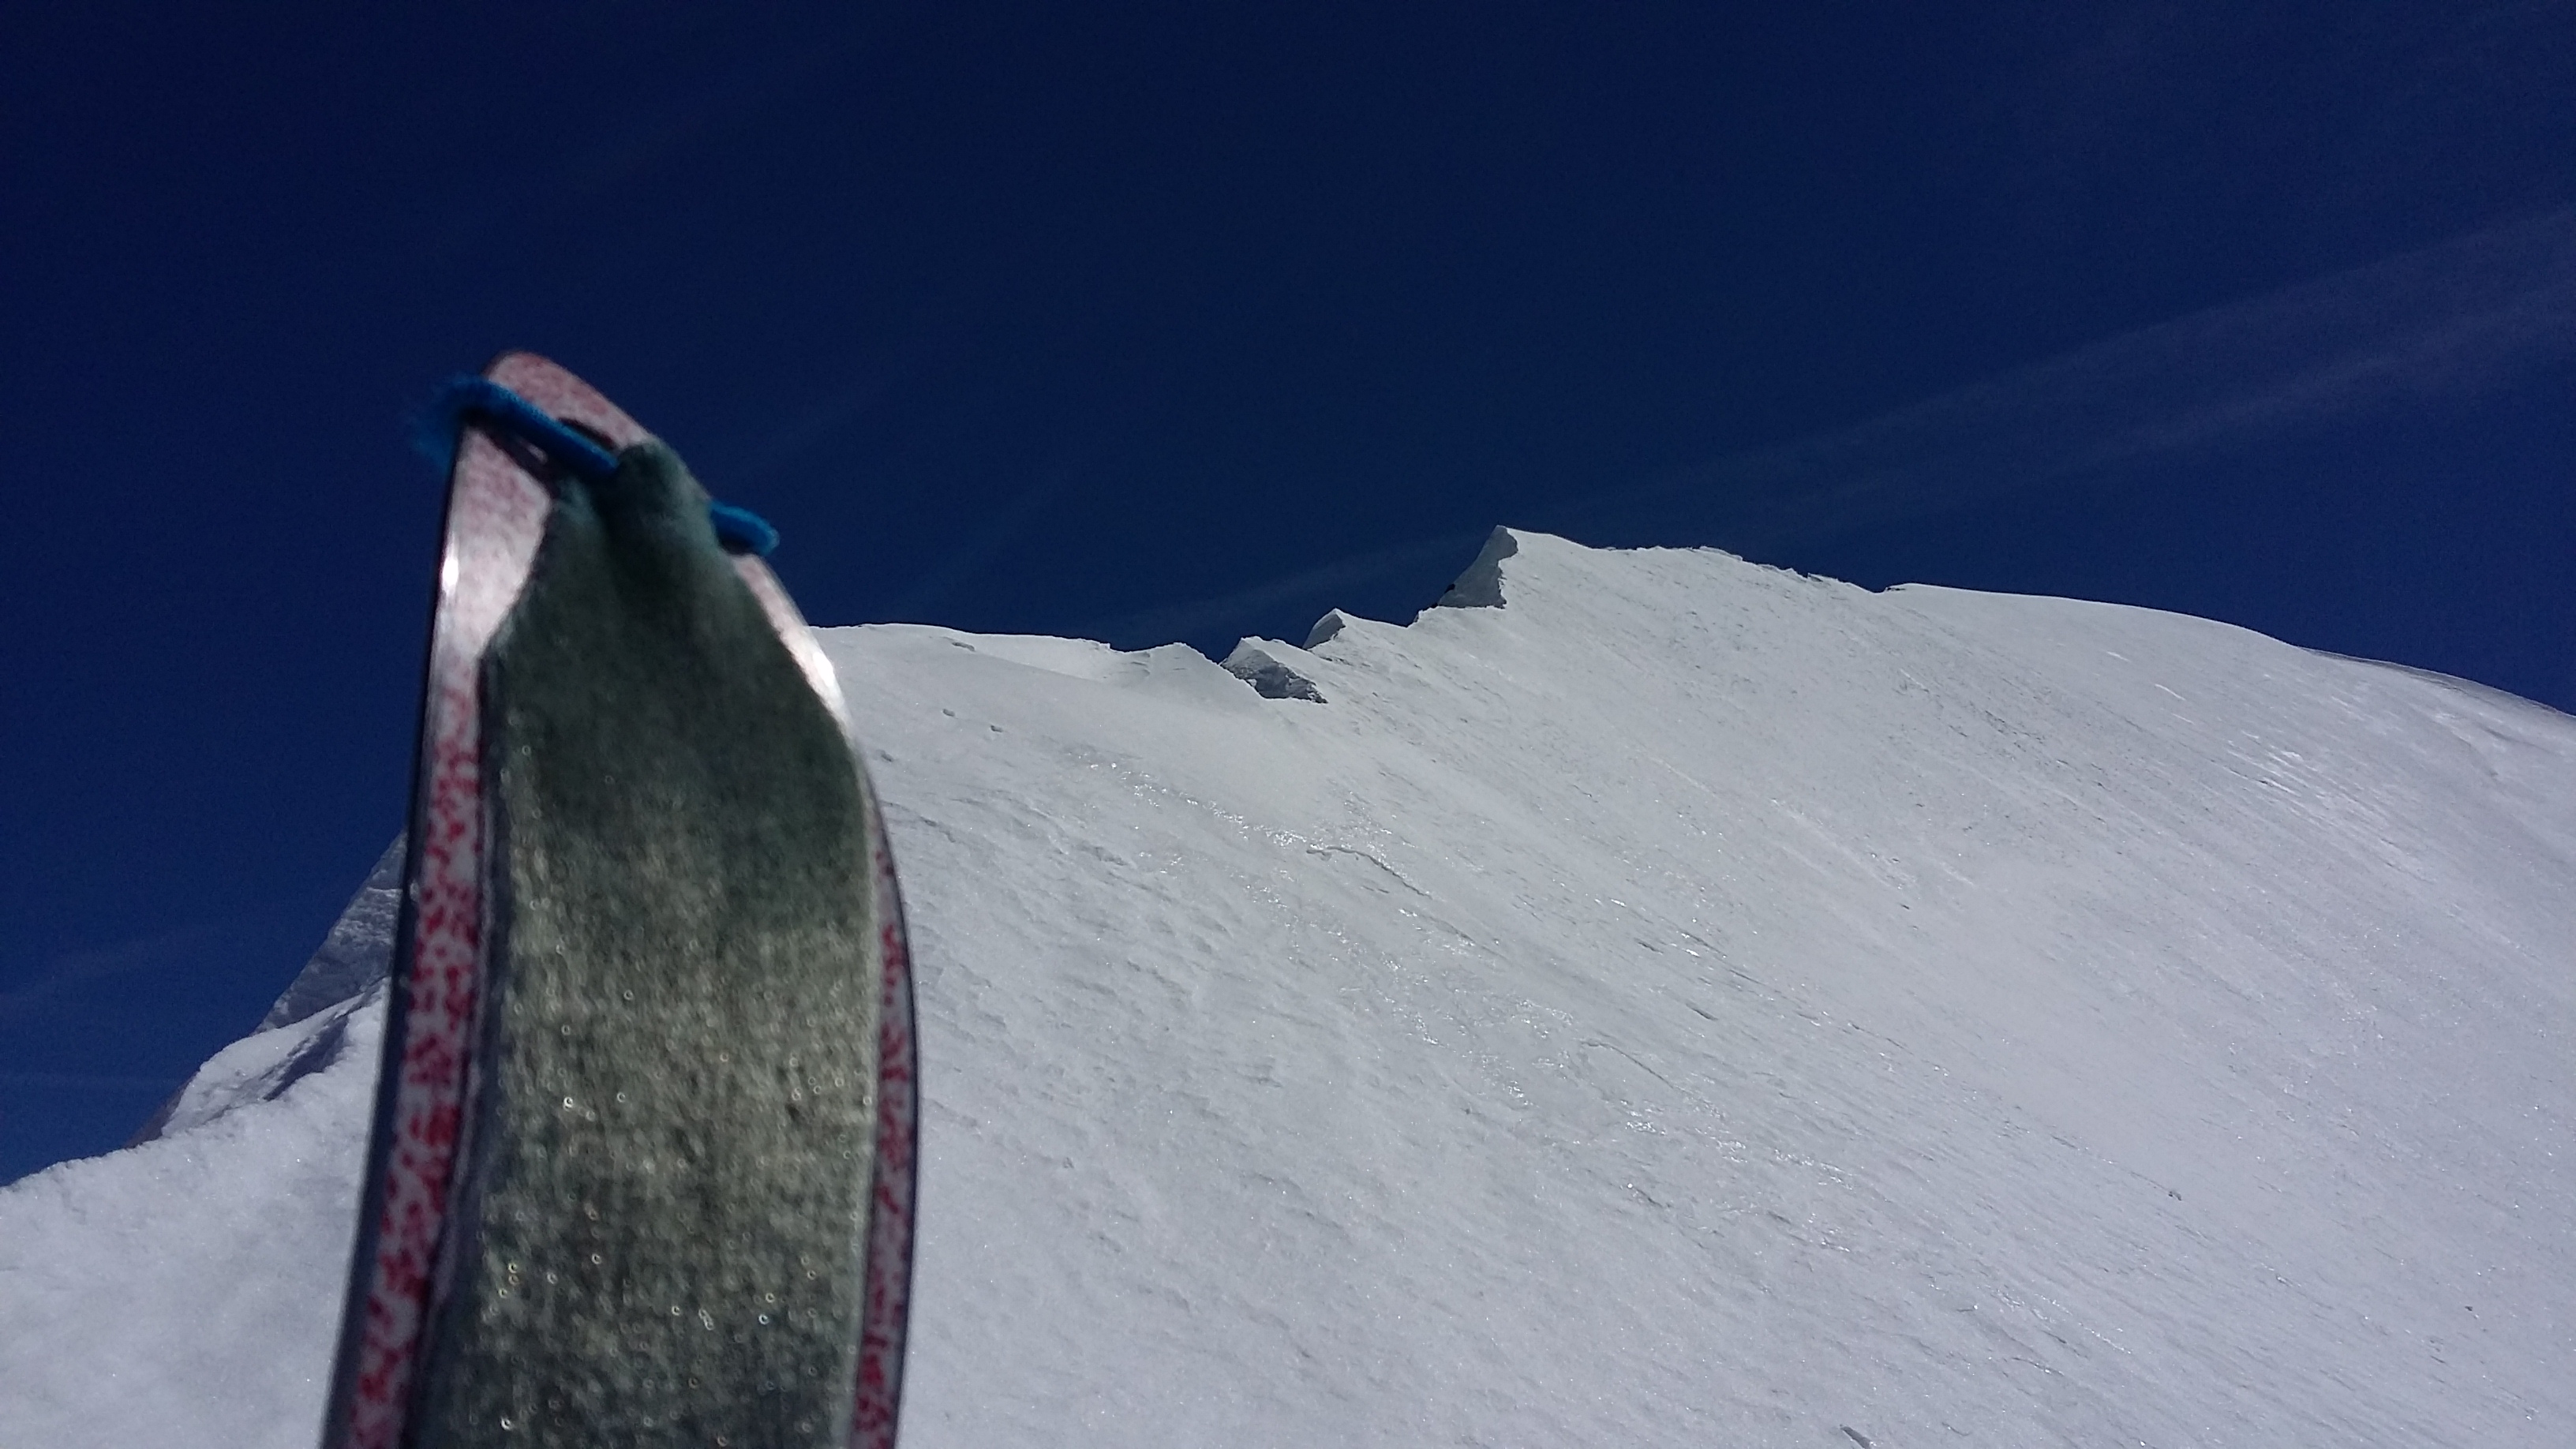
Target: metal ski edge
(340, 1403)
(493, 518)
(894, 1177)
(894, 1183)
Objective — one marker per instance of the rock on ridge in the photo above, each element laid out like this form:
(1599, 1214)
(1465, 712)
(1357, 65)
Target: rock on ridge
(1271, 679)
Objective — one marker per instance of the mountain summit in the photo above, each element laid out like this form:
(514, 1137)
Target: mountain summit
(1652, 999)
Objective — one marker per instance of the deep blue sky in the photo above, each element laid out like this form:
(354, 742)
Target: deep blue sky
(1188, 321)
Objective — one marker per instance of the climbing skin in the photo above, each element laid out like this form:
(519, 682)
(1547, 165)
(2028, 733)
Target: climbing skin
(642, 1162)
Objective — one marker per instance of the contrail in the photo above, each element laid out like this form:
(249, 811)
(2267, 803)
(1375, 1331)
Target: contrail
(74, 968)
(89, 1081)
(2455, 319)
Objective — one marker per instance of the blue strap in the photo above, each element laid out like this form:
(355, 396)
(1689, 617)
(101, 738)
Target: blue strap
(742, 531)
(481, 400)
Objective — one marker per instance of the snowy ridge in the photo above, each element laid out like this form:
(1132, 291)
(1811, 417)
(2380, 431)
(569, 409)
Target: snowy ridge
(1688, 1003)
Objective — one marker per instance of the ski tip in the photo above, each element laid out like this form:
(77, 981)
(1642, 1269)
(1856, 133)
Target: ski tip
(467, 399)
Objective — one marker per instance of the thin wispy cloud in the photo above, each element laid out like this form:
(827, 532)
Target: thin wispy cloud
(69, 969)
(788, 441)
(588, 175)
(975, 554)
(2451, 320)
(88, 1081)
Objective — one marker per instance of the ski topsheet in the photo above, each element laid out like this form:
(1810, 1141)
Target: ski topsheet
(642, 1162)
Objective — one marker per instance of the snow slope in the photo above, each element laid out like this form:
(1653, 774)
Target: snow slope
(1690, 1003)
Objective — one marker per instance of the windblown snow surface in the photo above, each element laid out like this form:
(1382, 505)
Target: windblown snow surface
(1688, 1004)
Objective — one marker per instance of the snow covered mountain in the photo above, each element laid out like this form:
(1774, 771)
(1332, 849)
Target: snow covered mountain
(1689, 1003)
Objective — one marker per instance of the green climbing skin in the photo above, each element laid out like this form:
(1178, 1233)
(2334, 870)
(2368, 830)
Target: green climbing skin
(669, 1191)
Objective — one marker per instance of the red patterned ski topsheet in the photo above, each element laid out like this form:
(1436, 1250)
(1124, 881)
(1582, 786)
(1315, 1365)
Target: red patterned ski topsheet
(496, 516)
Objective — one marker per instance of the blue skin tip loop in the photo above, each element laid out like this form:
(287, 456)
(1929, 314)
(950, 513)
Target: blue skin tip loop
(483, 401)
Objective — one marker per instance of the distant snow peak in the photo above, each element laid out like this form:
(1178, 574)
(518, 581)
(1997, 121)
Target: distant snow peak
(1481, 586)
(1257, 666)
(356, 953)
(351, 963)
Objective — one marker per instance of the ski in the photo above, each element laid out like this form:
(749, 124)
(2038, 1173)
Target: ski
(641, 1169)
